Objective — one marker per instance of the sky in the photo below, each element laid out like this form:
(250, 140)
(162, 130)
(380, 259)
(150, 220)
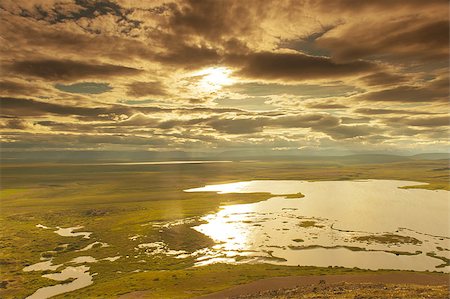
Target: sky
(310, 76)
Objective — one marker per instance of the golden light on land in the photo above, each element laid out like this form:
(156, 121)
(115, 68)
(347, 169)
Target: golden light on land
(214, 78)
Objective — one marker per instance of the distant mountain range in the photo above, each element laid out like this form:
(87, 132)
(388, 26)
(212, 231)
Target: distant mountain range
(139, 156)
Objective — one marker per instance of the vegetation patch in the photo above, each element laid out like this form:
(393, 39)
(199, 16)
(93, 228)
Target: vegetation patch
(388, 239)
(296, 195)
(183, 237)
(309, 223)
(442, 258)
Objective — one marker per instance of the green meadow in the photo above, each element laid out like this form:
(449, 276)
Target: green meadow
(116, 202)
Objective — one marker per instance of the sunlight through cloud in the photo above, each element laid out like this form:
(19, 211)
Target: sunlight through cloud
(214, 78)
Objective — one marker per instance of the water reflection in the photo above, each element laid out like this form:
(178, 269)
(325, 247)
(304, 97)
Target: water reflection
(229, 227)
(82, 278)
(368, 224)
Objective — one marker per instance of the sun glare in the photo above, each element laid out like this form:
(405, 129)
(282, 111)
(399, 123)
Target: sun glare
(214, 79)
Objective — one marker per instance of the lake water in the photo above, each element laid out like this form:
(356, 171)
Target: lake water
(371, 224)
(162, 162)
(82, 278)
(69, 232)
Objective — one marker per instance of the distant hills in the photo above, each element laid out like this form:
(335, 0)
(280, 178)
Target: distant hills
(432, 156)
(264, 155)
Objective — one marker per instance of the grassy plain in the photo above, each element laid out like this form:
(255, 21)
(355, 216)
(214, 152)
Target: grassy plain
(116, 202)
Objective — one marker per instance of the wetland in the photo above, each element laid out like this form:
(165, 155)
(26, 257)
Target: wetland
(108, 230)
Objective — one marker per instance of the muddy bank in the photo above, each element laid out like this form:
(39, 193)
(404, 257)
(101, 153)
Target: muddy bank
(291, 282)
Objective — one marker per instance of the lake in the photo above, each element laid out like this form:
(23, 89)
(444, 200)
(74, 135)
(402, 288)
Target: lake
(370, 224)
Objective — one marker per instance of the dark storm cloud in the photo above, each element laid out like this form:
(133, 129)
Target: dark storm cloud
(297, 67)
(65, 70)
(142, 89)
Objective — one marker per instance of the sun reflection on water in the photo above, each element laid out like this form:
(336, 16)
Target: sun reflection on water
(228, 227)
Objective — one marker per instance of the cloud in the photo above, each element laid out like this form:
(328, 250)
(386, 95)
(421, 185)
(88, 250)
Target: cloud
(350, 131)
(383, 78)
(29, 107)
(251, 104)
(406, 38)
(13, 88)
(139, 120)
(67, 70)
(378, 111)
(439, 121)
(64, 41)
(327, 106)
(380, 5)
(297, 67)
(313, 120)
(188, 57)
(84, 88)
(142, 89)
(213, 20)
(408, 94)
(319, 74)
(239, 125)
(14, 124)
(304, 90)
(46, 141)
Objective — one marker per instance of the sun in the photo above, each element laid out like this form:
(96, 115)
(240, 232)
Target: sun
(213, 79)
